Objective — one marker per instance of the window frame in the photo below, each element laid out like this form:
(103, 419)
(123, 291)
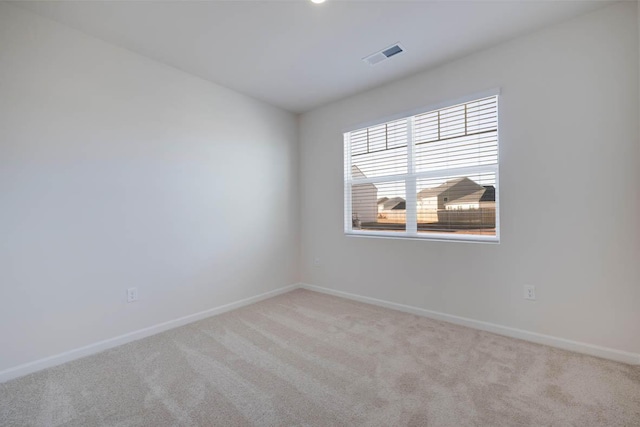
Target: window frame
(411, 178)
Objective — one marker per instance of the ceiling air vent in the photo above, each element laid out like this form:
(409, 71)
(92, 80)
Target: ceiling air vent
(384, 54)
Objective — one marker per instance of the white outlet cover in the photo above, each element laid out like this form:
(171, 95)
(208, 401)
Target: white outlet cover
(529, 292)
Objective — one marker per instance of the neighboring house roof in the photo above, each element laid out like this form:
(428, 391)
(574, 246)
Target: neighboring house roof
(394, 204)
(382, 199)
(466, 199)
(357, 173)
(458, 186)
(489, 194)
(461, 190)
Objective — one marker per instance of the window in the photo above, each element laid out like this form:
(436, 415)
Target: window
(433, 175)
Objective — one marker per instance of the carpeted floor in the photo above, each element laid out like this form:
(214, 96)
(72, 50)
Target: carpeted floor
(305, 358)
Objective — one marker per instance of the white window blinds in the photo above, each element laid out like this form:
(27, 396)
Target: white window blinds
(432, 175)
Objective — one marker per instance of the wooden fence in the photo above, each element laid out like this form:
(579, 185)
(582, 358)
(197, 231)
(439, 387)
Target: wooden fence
(475, 218)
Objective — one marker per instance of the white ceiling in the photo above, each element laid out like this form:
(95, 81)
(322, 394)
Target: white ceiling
(298, 55)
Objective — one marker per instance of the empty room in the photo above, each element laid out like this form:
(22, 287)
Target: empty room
(320, 213)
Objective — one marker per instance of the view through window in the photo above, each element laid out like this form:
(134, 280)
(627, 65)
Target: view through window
(432, 175)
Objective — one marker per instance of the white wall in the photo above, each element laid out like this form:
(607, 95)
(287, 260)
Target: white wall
(568, 137)
(117, 171)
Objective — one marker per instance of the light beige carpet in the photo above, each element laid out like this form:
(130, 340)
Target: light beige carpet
(305, 358)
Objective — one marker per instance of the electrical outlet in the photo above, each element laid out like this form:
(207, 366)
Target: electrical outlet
(529, 292)
(316, 261)
(132, 294)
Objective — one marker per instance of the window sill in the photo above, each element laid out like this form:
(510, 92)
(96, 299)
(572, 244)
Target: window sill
(434, 237)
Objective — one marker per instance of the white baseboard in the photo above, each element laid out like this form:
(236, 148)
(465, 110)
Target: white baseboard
(578, 347)
(77, 353)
